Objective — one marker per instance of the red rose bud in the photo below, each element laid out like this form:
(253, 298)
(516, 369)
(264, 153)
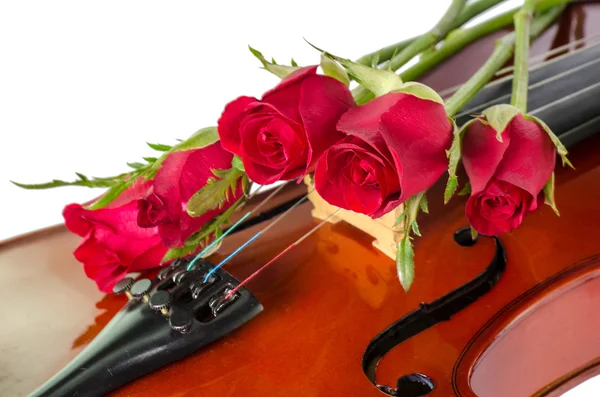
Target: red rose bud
(182, 174)
(113, 243)
(395, 148)
(507, 177)
(282, 136)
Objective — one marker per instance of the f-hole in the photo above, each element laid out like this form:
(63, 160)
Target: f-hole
(427, 316)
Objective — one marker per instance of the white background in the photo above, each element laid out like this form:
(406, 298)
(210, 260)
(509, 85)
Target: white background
(84, 84)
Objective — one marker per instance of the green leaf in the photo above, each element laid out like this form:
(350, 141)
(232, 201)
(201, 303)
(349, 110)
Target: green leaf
(159, 147)
(454, 154)
(405, 263)
(400, 219)
(466, 190)
(405, 255)
(237, 163)
(424, 204)
(333, 69)
(175, 253)
(474, 233)
(280, 71)
(560, 148)
(136, 166)
(411, 207)
(450, 188)
(150, 159)
(549, 195)
(420, 91)
(214, 193)
(82, 181)
(293, 63)
(201, 238)
(499, 116)
(415, 229)
(199, 139)
(111, 194)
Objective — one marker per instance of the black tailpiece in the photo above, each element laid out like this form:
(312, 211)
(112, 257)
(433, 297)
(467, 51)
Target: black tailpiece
(164, 321)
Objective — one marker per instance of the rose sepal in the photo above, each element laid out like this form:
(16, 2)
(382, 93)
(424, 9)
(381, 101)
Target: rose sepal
(333, 69)
(420, 90)
(549, 195)
(280, 71)
(498, 117)
(560, 148)
(378, 81)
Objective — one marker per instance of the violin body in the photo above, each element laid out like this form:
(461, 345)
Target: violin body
(533, 333)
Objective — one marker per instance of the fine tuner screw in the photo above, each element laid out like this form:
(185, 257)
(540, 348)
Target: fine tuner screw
(161, 300)
(141, 288)
(181, 320)
(123, 286)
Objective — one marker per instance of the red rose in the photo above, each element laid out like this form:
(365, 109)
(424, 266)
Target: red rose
(283, 135)
(506, 177)
(395, 148)
(113, 243)
(181, 175)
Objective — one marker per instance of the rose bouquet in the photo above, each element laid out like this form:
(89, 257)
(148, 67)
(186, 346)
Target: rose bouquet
(369, 150)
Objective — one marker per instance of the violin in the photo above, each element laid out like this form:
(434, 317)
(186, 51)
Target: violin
(515, 315)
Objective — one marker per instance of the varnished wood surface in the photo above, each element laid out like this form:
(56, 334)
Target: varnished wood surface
(324, 301)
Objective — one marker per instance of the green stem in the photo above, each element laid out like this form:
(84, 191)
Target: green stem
(469, 12)
(502, 52)
(431, 38)
(457, 40)
(520, 84)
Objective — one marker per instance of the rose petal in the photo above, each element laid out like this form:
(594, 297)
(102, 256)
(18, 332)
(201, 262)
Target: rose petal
(363, 121)
(482, 153)
(151, 211)
(322, 101)
(289, 136)
(491, 221)
(149, 259)
(136, 191)
(265, 175)
(166, 182)
(99, 264)
(228, 124)
(352, 175)
(286, 95)
(74, 220)
(530, 159)
(418, 133)
(198, 168)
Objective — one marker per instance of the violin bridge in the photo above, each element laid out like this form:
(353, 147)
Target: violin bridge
(384, 231)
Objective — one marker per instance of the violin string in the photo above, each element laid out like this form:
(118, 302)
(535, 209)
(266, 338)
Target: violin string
(236, 224)
(531, 87)
(448, 91)
(251, 195)
(565, 98)
(257, 235)
(533, 61)
(289, 247)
